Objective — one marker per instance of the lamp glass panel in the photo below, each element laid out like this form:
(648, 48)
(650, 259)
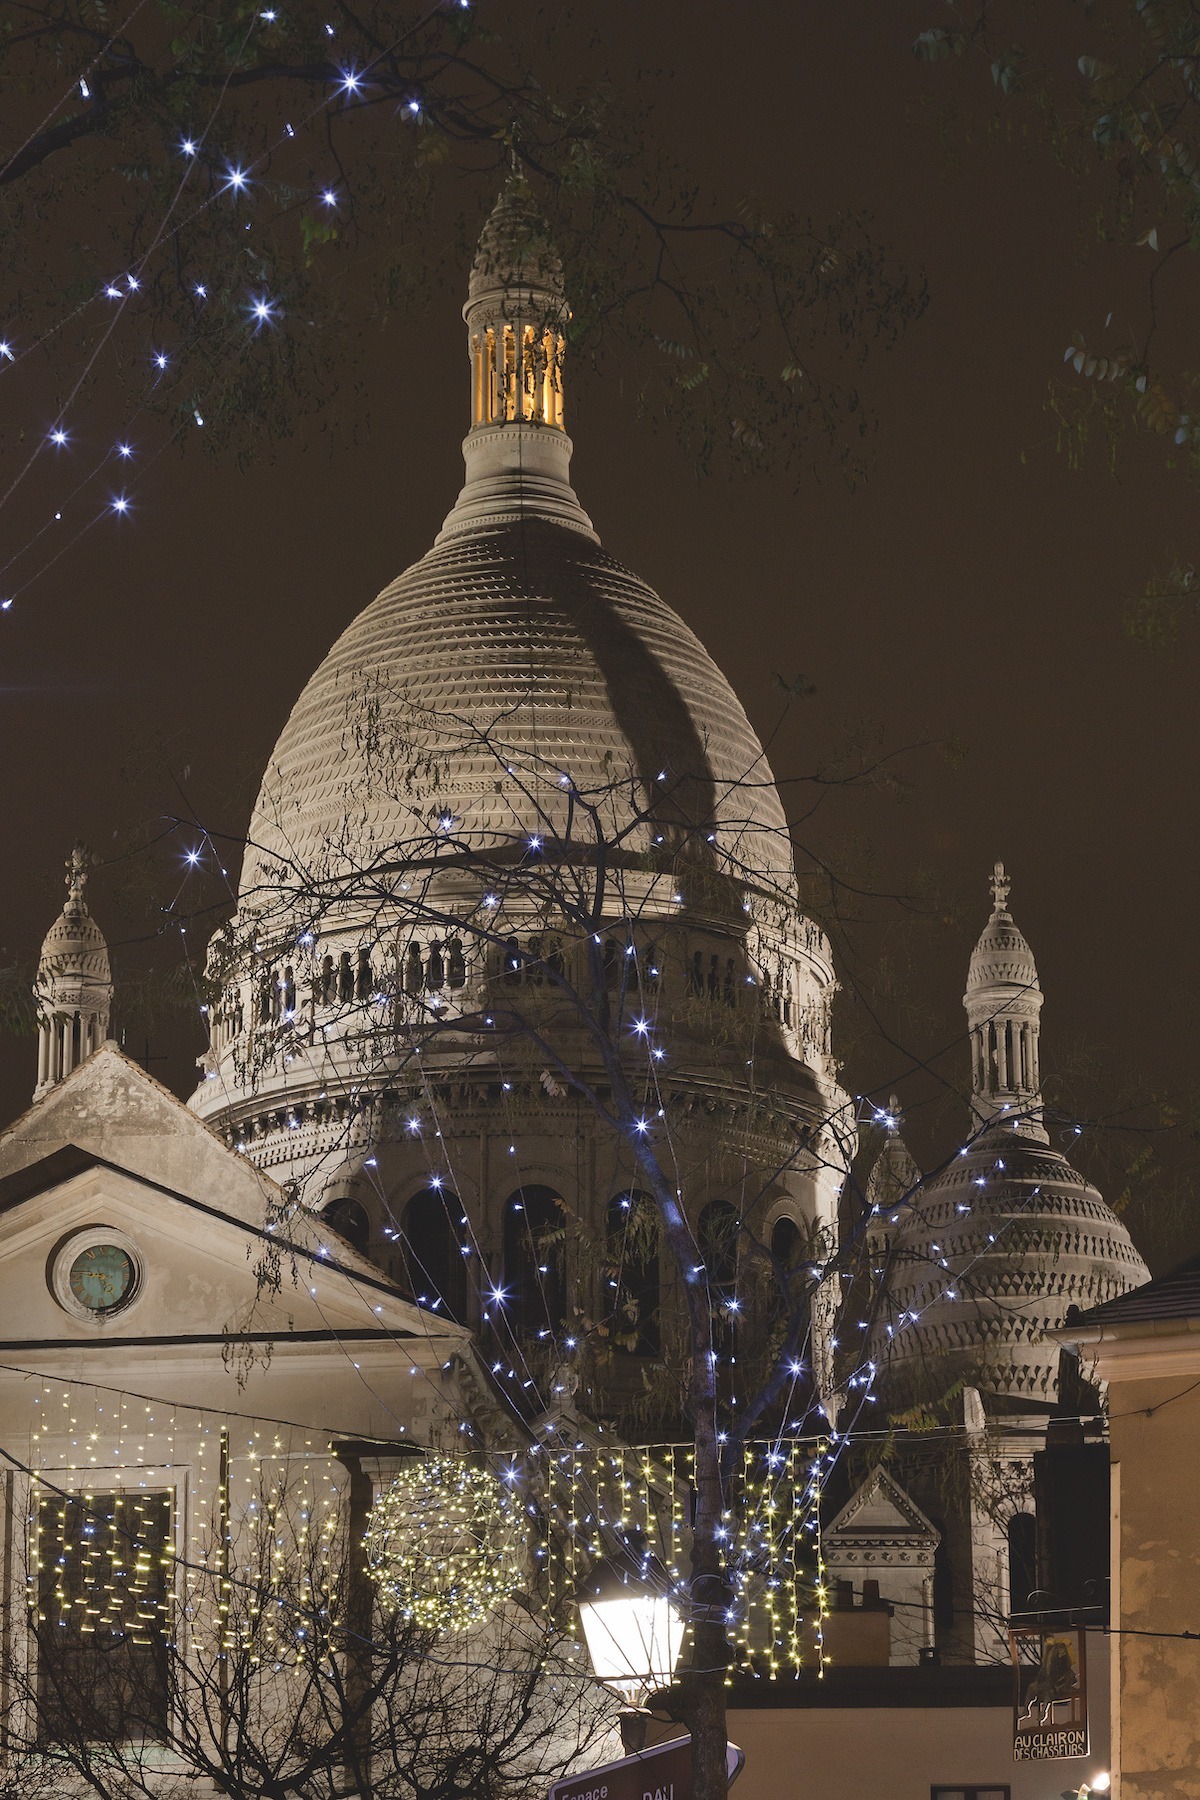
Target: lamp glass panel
(634, 1641)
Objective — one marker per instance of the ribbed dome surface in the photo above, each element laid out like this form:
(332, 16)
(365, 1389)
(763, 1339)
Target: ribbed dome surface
(74, 936)
(987, 1259)
(1001, 955)
(506, 668)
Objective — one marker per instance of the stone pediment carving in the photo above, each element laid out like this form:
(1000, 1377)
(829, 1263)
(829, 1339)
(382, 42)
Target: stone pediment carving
(880, 1516)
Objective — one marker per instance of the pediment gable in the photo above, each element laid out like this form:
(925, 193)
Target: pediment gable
(879, 1509)
(201, 1275)
(111, 1109)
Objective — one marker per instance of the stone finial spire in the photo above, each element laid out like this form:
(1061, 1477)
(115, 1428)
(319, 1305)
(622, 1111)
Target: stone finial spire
(1004, 1003)
(73, 989)
(517, 452)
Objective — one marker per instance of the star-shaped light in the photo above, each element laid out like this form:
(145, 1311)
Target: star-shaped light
(58, 437)
(237, 179)
(119, 504)
(263, 310)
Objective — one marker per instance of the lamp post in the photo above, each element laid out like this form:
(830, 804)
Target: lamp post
(633, 1628)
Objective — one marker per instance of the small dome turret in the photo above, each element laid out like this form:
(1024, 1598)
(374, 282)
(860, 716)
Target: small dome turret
(73, 989)
(1004, 1003)
(987, 1255)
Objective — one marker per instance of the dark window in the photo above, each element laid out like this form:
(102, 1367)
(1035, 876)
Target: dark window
(412, 968)
(786, 1242)
(1022, 1562)
(535, 1291)
(969, 1793)
(718, 1246)
(631, 1274)
(943, 1578)
(433, 1240)
(349, 1219)
(103, 1616)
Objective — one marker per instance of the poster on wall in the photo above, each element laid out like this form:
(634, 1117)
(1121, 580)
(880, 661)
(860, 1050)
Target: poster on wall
(1050, 1695)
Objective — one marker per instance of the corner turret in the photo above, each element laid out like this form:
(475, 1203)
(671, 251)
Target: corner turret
(73, 989)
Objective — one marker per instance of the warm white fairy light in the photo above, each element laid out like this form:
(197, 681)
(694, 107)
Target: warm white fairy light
(445, 1543)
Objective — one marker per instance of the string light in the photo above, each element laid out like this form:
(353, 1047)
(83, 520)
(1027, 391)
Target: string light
(444, 1544)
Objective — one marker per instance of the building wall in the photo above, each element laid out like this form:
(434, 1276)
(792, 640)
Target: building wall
(1156, 1483)
(900, 1752)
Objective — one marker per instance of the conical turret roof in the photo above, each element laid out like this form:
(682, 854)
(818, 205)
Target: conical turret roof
(515, 249)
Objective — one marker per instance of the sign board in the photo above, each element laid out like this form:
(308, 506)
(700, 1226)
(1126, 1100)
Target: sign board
(663, 1772)
(1050, 1699)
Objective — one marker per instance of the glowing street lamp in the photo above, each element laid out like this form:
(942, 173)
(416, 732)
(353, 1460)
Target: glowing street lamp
(633, 1628)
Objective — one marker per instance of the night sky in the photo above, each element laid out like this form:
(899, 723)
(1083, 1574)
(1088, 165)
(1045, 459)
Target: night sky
(971, 592)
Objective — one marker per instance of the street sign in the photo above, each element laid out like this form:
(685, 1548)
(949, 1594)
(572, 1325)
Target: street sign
(664, 1772)
(1050, 1719)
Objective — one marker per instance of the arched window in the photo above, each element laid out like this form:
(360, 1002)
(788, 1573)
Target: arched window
(413, 973)
(433, 1240)
(718, 1246)
(349, 1219)
(631, 1298)
(786, 1241)
(534, 1288)
(1022, 1562)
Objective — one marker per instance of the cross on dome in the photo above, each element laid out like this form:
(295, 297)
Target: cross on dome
(77, 865)
(1000, 888)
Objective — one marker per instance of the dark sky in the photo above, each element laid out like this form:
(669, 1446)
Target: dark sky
(972, 589)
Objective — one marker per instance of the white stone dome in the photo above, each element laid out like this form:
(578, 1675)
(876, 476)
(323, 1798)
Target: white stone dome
(519, 646)
(984, 1263)
(985, 1258)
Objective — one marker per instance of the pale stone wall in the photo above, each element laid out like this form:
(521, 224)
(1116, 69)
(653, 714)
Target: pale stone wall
(1158, 1585)
(899, 1753)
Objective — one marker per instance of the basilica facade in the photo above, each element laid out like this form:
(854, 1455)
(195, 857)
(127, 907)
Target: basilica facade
(517, 970)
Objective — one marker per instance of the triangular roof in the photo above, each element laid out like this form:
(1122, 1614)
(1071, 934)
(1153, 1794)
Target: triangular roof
(110, 1112)
(881, 1508)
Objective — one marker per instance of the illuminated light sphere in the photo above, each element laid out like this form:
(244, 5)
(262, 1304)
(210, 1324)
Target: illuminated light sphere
(445, 1544)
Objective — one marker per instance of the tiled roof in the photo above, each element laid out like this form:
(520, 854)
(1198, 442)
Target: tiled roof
(1172, 1296)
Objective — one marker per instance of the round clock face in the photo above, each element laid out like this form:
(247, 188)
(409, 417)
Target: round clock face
(101, 1277)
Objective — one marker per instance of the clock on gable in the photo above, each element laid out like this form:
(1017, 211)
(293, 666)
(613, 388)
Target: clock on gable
(96, 1273)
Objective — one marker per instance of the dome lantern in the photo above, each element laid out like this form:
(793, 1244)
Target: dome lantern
(73, 988)
(1003, 1002)
(517, 452)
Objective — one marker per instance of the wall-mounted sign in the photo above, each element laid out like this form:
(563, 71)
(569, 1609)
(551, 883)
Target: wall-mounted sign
(1050, 1702)
(664, 1772)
